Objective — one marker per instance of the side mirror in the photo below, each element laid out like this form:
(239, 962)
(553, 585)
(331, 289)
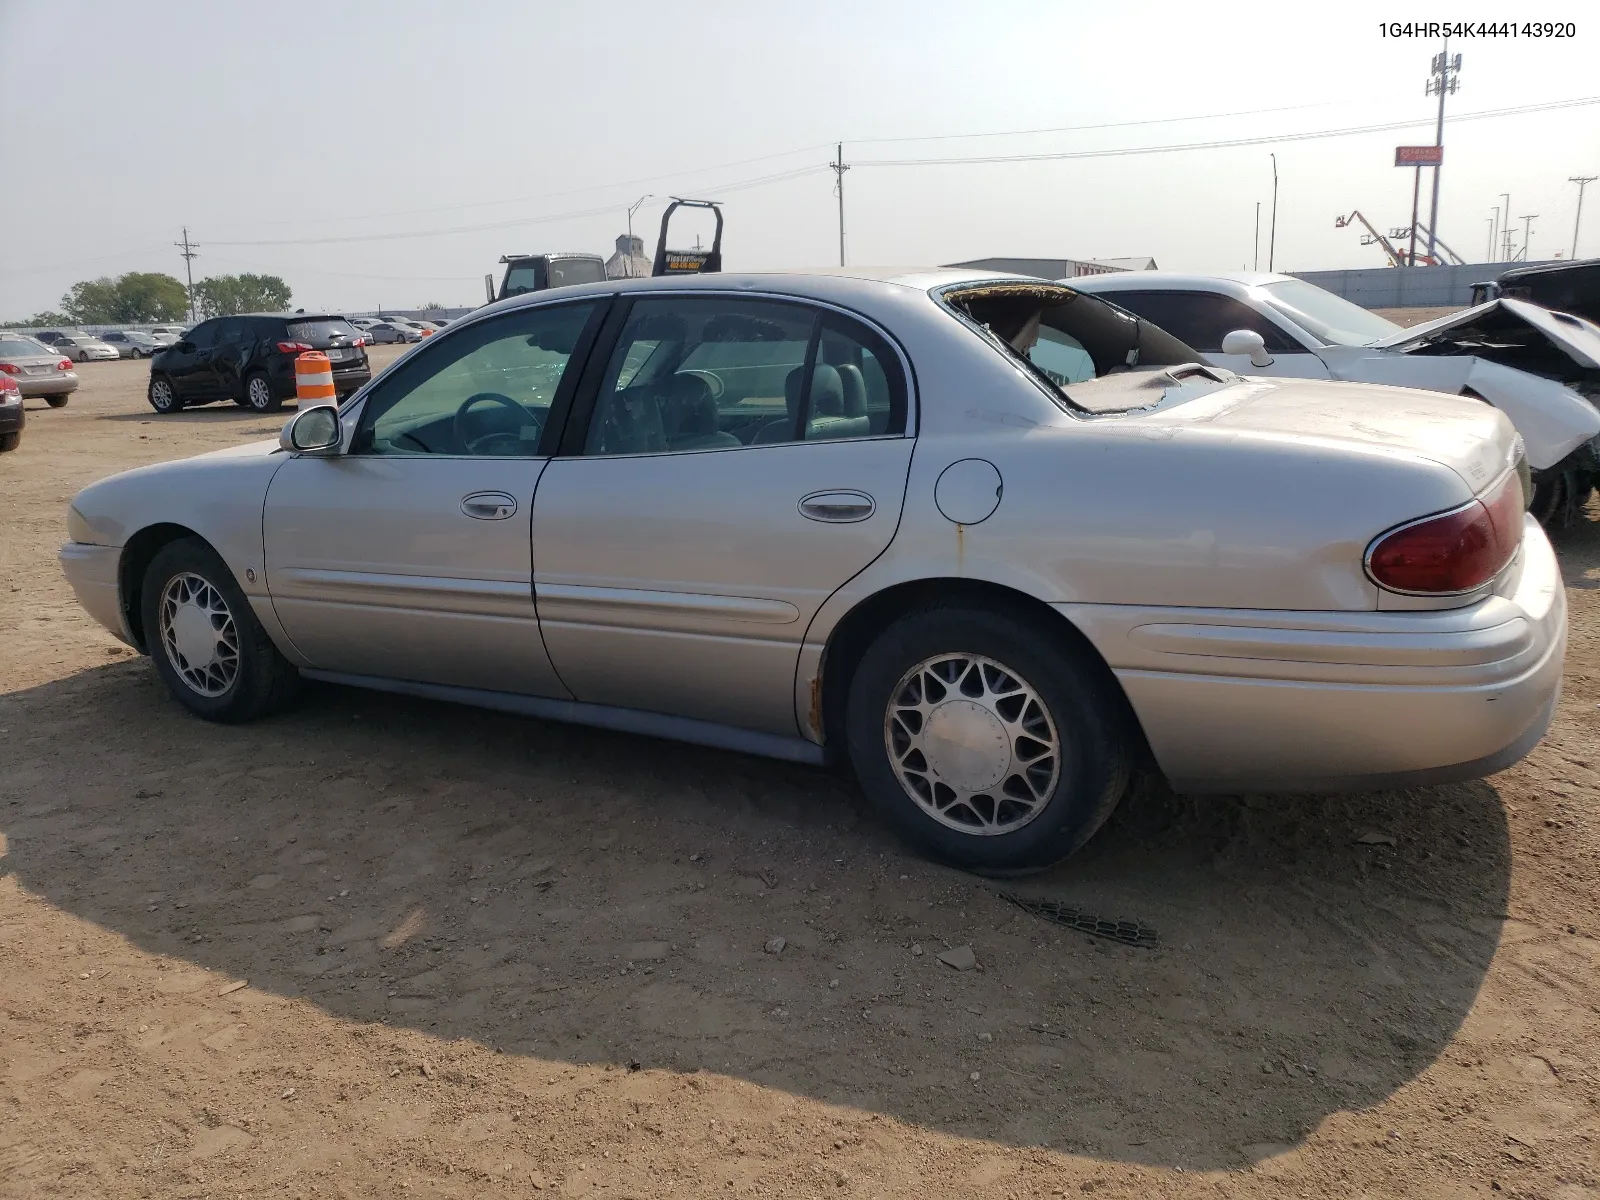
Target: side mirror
(1247, 341)
(488, 287)
(312, 431)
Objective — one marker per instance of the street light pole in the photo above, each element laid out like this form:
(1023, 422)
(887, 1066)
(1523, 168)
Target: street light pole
(1443, 79)
(633, 208)
(1256, 263)
(1527, 232)
(1272, 239)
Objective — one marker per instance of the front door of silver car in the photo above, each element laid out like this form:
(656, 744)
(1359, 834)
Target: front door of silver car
(731, 462)
(407, 557)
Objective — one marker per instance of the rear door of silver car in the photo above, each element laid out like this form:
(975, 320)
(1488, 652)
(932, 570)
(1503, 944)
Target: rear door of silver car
(408, 557)
(729, 463)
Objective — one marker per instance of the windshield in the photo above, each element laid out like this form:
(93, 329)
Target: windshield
(1331, 319)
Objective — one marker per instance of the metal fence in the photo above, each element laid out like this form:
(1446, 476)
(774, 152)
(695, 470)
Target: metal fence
(1408, 287)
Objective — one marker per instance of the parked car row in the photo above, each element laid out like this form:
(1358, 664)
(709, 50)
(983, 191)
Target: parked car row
(30, 368)
(993, 543)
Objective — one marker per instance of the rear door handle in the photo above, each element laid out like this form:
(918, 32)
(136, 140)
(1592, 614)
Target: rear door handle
(837, 508)
(489, 506)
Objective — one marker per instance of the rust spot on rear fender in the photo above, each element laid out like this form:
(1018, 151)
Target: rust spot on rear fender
(815, 715)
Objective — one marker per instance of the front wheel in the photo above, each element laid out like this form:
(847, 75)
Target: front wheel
(990, 741)
(259, 396)
(136, 354)
(10, 441)
(162, 396)
(207, 646)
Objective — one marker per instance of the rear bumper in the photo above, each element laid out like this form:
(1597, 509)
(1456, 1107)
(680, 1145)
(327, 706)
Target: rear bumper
(59, 383)
(92, 571)
(12, 417)
(1233, 700)
(345, 379)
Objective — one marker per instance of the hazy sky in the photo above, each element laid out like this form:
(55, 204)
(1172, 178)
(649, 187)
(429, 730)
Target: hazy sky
(530, 126)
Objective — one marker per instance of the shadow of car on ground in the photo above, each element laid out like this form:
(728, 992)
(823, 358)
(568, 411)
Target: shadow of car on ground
(598, 898)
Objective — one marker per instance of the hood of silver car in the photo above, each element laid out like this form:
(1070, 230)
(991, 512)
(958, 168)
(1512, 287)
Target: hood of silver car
(1578, 337)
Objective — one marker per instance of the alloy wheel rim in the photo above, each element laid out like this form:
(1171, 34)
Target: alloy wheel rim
(199, 634)
(161, 394)
(972, 743)
(258, 393)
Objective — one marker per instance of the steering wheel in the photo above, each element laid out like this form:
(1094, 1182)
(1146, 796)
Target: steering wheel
(516, 443)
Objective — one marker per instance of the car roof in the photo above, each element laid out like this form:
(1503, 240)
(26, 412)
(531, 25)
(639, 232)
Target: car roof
(1181, 281)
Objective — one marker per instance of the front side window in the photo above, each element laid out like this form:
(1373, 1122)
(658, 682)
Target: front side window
(712, 373)
(564, 272)
(484, 391)
(203, 335)
(1203, 319)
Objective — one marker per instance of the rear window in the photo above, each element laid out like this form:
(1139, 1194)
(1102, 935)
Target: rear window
(1066, 338)
(567, 271)
(321, 331)
(22, 348)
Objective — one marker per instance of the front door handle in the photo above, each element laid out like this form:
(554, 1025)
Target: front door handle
(837, 508)
(489, 506)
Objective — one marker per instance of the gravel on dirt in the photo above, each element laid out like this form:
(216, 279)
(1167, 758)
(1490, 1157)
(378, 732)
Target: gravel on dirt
(489, 956)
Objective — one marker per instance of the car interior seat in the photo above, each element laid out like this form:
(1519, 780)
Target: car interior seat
(689, 414)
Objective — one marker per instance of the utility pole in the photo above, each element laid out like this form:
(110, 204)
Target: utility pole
(1505, 226)
(1582, 181)
(1494, 232)
(1256, 265)
(1444, 79)
(188, 250)
(1489, 255)
(839, 169)
(1272, 238)
(1527, 229)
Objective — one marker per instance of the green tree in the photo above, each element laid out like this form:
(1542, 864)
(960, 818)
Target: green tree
(222, 295)
(45, 319)
(136, 297)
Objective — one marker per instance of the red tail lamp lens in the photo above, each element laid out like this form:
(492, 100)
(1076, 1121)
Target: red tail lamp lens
(1455, 552)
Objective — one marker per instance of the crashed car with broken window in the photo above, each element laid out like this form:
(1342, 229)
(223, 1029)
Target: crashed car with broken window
(992, 543)
(1540, 367)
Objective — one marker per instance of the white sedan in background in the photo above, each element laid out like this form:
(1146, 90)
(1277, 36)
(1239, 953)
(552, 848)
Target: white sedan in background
(1527, 361)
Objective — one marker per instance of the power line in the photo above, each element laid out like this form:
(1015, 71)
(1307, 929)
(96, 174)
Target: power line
(941, 137)
(1221, 144)
(575, 214)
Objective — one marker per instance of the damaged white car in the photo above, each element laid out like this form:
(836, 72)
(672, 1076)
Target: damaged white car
(1541, 368)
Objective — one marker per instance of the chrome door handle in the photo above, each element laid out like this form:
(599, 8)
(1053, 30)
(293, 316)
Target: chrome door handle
(489, 506)
(837, 508)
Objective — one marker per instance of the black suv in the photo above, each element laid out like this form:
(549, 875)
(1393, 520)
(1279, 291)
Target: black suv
(249, 359)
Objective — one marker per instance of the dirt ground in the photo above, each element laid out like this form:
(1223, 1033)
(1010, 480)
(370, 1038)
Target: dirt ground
(1407, 317)
(380, 947)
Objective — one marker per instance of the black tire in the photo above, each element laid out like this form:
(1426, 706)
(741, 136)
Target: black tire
(163, 396)
(137, 353)
(1090, 769)
(259, 396)
(10, 441)
(58, 401)
(261, 680)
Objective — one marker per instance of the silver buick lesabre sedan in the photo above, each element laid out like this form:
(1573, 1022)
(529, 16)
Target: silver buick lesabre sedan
(992, 543)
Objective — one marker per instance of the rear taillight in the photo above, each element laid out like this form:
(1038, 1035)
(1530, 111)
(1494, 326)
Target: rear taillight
(360, 341)
(1454, 552)
(10, 368)
(295, 347)
(64, 365)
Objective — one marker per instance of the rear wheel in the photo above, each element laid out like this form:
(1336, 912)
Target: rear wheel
(57, 401)
(162, 396)
(10, 441)
(207, 646)
(987, 740)
(259, 396)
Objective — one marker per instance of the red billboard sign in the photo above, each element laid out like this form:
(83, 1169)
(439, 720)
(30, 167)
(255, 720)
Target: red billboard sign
(1418, 156)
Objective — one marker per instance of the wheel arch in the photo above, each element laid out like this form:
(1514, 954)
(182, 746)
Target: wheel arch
(137, 554)
(858, 628)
